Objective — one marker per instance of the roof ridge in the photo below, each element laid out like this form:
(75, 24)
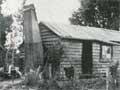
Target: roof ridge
(83, 32)
(80, 26)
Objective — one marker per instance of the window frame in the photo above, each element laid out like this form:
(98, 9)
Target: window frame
(102, 60)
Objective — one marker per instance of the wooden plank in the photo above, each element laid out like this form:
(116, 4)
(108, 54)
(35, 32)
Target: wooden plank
(50, 39)
(44, 29)
(72, 48)
(73, 55)
(74, 42)
(95, 48)
(48, 36)
(52, 42)
(96, 44)
(76, 61)
(72, 45)
(96, 57)
(116, 52)
(96, 54)
(73, 52)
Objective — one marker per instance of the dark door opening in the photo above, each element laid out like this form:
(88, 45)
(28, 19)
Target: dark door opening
(87, 60)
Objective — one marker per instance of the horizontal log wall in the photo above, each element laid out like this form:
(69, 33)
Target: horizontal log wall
(48, 40)
(72, 56)
(116, 53)
(73, 52)
(48, 37)
(98, 66)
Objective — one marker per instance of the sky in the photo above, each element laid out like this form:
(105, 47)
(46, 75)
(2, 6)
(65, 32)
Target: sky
(47, 10)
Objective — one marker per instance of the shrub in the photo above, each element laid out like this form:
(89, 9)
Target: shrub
(49, 85)
(52, 56)
(31, 79)
(69, 72)
(114, 75)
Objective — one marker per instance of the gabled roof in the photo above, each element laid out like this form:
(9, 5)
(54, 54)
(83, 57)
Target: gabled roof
(84, 32)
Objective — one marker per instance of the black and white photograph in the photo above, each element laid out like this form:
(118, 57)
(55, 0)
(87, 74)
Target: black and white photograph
(59, 44)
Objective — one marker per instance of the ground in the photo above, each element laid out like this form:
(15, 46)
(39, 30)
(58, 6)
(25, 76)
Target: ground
(15, 85)
(10, 85)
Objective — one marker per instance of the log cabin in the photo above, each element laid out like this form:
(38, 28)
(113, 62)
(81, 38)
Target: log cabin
(87, 49)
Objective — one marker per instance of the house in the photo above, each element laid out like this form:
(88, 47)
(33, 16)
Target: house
(87, 49)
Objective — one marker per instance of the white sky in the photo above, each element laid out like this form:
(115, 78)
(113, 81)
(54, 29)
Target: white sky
(47, 10)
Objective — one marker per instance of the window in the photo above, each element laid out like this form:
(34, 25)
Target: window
(106, 53)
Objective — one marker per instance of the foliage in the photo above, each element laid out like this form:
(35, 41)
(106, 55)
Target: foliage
(114, 73)
(12, 31)
(5, 23)
(114, 69)
(53, 53)
(53, 56)
(84, 84)
(97, 13)
(31, 79)
(69, 72)
(20, 58)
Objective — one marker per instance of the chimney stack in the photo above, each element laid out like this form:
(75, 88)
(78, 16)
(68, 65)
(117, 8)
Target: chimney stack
(33, 43)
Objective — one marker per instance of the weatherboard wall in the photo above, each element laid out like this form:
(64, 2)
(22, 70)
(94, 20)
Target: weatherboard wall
(72, 56)
(73, 52)
(100, 67)
(47, 36)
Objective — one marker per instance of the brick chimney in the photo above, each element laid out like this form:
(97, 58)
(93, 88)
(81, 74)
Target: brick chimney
(33, 43)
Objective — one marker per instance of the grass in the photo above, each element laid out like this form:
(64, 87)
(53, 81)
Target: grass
(82, 84)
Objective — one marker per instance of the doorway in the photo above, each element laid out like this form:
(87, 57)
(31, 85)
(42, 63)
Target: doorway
(87, 59)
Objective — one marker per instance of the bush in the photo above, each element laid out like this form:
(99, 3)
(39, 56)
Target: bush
(49, 85)
(31, 79)
(114, 73)
(69, 72)
(85, 84)
(52, 56)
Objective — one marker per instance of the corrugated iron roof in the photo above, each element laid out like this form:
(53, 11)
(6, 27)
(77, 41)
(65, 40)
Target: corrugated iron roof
(83, 32)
